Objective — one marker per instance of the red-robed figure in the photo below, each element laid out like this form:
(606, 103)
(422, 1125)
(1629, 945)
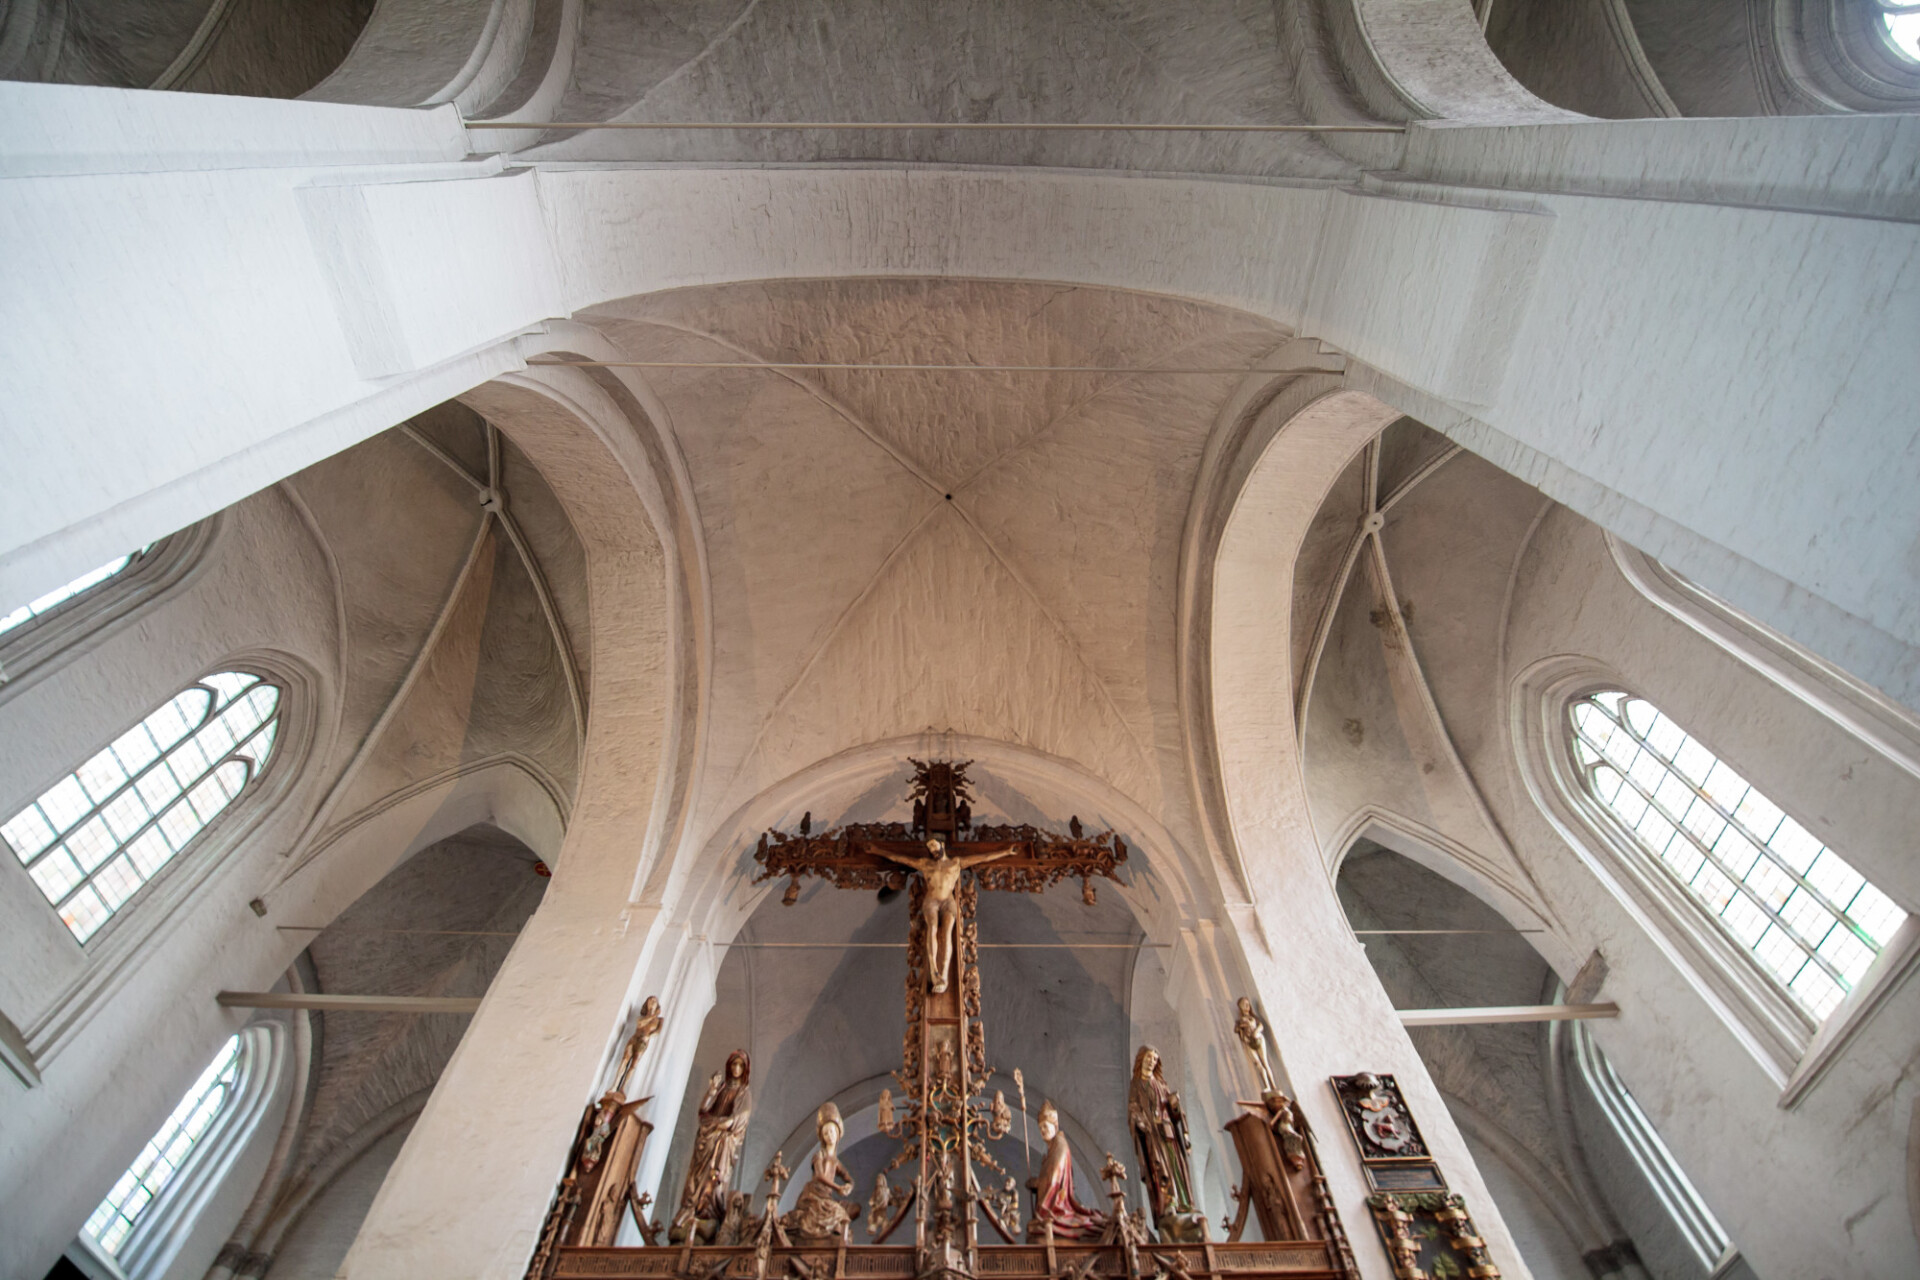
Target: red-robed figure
(1053, 1201)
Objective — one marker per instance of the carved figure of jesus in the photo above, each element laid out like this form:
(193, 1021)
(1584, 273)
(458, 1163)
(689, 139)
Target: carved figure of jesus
(1252, 1035)
(938, 907)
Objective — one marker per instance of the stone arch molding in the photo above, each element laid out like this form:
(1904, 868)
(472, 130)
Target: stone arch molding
(707, 897)
(43, 644)
(1253, 508)
(472, 53)
(715, 894)
(614, 476)
(1452, 861)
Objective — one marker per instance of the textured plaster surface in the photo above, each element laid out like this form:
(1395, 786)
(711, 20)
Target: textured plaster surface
(265, 50)
(855, 599)
(480, 882)
(1708, 1099)
(337, 575)
(1207, 62)
(315, 1247)
(1582, 55)
(1581, 307)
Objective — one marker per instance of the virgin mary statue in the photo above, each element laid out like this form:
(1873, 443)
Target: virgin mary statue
(724, 1111)
(1159, 1125)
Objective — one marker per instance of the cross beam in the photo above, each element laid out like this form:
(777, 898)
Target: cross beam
(347, 1004)
(1507, 1013)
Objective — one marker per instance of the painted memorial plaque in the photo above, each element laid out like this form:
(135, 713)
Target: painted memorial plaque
(1430, 1236)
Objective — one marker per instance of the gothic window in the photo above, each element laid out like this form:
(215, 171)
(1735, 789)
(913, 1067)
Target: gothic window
(1901, 19)
(1814, 923)
(167, 1153)
(60, 595)
(95, 837)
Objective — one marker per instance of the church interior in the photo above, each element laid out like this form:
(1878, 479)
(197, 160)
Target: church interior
(997, 640)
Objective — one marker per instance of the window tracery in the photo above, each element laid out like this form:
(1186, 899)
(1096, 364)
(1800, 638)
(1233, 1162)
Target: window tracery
(1810, 918)
(1900, 20)
(61, 595)
(95, 837)
(163, 1157)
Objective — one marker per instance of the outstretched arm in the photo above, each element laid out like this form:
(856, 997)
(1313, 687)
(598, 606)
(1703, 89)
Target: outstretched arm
(975, 859)
(906, 860)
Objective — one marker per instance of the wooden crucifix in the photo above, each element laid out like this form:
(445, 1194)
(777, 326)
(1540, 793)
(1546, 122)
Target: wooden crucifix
(944, 1069)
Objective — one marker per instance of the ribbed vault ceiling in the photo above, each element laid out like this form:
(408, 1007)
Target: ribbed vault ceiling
(891, 552)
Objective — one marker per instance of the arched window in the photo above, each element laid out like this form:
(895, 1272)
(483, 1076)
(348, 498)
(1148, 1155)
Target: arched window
(152, 1213)
(167, 1153)
(1812, 920)
(94, 838)
(1901, 18)
(60, 595)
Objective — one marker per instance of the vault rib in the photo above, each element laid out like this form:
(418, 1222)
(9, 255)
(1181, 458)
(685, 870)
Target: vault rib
(569, 668)
(497, 507)
(1068, 413)
(299, 853)
(1407, 660)
(852, 419)
(1066, 635)
(1425, 472)
(827, 637)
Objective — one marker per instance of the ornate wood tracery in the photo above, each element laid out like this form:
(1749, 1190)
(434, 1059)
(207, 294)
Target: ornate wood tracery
(944, 1117)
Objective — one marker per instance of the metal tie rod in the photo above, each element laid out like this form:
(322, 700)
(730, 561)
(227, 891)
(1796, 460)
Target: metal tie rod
(904, 368)
(933, 126)
(1403, 933)
(982, 946)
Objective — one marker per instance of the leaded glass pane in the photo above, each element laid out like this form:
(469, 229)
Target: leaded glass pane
(1807, 915)
(156, 1165)
(93, 838)
(1902, 23)
(60, 595)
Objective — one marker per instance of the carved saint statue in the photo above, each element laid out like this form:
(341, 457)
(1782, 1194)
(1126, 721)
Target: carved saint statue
(724, 1111)
(645, 1027)
(938, 908)
(1000, 1117)
(1159, 1127)
(1006, 1205)
(885, 1119)
(820, 1215)
(1053, 1200)
(1253, 1036)
(1286, 1127)
(878, 1203)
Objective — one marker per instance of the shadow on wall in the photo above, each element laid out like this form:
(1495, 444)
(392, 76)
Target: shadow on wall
(318, 1243)
(256, 48)
(1566, 1198)
(441, 923)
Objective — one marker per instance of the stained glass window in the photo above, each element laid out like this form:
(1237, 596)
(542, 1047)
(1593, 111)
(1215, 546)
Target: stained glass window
(163, 1157)
(1813, 921)
(94, 837)
(1901, 18)
(60, 595)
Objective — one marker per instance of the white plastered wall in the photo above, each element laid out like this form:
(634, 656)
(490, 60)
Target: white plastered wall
(1714, 1096)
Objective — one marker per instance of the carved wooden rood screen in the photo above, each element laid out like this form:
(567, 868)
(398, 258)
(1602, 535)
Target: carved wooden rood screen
(959, 1228)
